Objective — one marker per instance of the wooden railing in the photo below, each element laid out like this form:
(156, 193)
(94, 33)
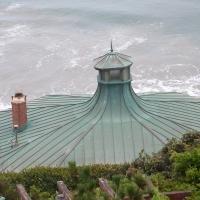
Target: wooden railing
(65, 194)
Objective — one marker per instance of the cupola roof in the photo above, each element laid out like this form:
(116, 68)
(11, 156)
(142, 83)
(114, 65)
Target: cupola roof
(112, 60)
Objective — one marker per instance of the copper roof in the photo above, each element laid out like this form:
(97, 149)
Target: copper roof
(112, 126)
(112, 60)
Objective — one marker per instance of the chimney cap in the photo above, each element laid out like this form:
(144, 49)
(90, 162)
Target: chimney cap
(19, 94)
(19, 97)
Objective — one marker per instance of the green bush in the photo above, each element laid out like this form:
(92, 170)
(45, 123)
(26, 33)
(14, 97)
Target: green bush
(131, 186)
(167, 185)
(86, 188)
(186, 165)
(159, 196)
(130, 189)
(139, 180)
(161, 161)
(45, 178)
(36, 194)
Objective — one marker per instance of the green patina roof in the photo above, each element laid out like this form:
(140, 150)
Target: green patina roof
(112, 126)
(112, 60)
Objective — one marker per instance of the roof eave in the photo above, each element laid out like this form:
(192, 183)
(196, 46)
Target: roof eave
(109, 68)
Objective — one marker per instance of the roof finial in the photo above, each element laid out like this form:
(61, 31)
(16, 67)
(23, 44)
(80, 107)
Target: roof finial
(111, 46)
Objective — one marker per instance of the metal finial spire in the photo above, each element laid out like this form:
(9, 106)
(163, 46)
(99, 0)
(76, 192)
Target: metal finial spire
(111, 47)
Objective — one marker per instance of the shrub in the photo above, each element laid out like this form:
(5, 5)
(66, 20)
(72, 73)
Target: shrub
(130, 189)
(187, 164)
(159, 196)
(161, 161)
(36, 194)
(45, 178)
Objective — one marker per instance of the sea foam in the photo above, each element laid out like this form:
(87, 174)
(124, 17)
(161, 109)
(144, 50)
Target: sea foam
(12, 34)
(13, 6)
(134, 41)
(4, 106)
(18, 30)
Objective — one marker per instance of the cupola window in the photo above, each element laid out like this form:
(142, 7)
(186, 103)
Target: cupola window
(115, 74)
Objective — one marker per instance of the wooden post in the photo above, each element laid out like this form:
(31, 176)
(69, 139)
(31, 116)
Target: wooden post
(103, 183)
(64, 192)
(23, 195)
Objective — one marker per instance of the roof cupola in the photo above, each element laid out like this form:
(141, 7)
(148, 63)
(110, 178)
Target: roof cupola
(113, 67)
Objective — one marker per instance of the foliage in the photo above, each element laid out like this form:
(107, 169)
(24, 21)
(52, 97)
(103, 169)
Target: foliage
(187, 165)
(36, 194)
(86, 188)
(130, 186)
(159, 196)
(45, 178)
(176, 166)
(167, 185)
(7, 189)
(161, 161)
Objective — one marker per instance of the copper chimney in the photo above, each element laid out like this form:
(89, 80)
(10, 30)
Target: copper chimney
(19, 111)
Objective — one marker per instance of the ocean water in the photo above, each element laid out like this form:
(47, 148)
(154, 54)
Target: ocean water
(48, 46)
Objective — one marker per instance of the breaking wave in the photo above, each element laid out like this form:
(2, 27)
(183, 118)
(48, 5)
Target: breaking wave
(190, 87)
(13, 34)
(4, 106)
(13, 6)
(18, 30)
(134, 41)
